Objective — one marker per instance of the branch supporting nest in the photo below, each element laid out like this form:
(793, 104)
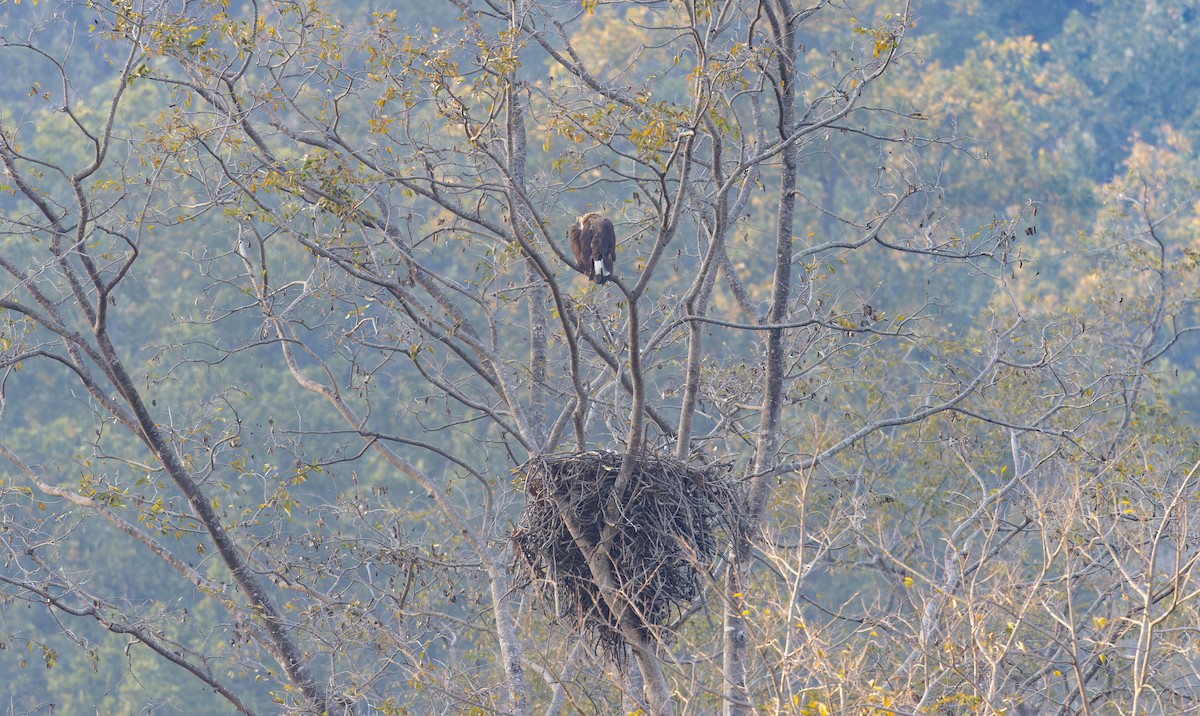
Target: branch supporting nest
(665, 538)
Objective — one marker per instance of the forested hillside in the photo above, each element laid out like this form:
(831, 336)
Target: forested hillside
(308, 403)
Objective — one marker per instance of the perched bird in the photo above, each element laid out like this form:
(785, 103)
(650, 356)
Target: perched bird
(594, 244)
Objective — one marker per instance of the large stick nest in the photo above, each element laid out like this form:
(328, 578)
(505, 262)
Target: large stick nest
(663, 538)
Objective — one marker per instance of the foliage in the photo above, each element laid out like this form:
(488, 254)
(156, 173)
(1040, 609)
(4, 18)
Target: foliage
(286, 302)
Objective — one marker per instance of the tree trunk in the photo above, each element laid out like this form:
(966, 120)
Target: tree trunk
(737, 699)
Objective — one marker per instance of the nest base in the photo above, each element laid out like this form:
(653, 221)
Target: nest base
(665, 539)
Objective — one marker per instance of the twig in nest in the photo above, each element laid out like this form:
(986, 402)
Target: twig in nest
(666, 535)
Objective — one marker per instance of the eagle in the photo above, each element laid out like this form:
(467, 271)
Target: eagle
(594, 244)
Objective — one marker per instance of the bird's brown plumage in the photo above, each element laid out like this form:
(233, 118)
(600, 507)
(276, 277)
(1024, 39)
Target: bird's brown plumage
(594, 243)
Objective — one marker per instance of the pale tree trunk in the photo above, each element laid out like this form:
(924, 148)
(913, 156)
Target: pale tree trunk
(522, 224)
(635, 687)
(695, 303)
(654, 682)
(780, 16)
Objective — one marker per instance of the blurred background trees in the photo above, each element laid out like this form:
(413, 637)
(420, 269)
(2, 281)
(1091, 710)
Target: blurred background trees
(287, 304)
